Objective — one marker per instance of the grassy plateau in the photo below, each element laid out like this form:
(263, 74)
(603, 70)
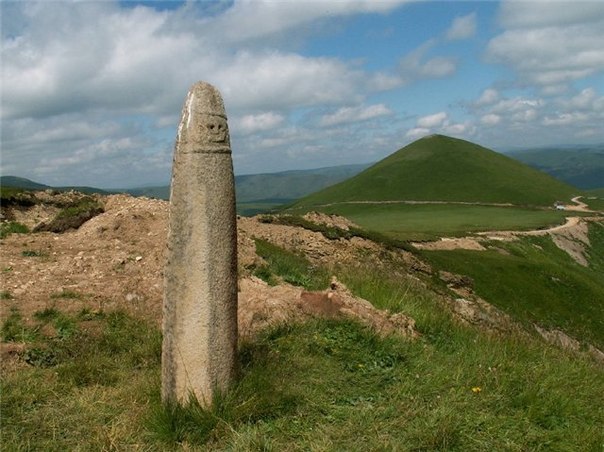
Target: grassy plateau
(430, 221)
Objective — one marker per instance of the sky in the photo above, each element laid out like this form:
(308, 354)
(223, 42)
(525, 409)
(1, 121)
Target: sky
(92, 91)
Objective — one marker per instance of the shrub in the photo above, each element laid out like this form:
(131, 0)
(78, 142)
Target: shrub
(73, 216)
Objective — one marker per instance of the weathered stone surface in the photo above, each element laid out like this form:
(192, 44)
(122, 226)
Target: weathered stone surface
(200, 302)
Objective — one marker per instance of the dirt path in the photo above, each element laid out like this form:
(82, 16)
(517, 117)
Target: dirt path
(579, 206)
(571, 222)
(571, 237)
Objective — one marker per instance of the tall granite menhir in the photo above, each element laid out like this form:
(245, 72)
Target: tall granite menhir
(200, 303)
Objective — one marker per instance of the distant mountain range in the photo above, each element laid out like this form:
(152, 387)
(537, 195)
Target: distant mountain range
(582, 167)
(280, 187)
(27, 184)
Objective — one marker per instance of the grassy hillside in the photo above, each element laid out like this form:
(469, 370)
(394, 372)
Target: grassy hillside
(291, 184)
(440, 168)
(322, 385)
(27, 184)
(597, 192)
(536, 282)
(21, 182)
(580, 167)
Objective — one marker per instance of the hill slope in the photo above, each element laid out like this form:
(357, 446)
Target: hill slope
(81, 346)
(27, 184)
(281, 187)
(440, 168)
(580, 167)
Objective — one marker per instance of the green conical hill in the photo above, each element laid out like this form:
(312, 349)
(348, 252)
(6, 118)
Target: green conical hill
(441, 168)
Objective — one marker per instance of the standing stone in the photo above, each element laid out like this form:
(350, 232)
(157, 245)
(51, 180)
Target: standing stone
(200, 303)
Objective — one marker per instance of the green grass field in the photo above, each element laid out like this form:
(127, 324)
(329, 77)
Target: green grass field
(249, 209)
(430, 221)
(536, 282)
(597, 203)
(323, 385)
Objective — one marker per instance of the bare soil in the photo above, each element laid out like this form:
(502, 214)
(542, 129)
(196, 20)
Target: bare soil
(115, 261)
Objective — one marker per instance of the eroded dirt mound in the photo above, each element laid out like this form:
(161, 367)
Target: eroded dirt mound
(38, 210)
(330, 220)
(115, 261)
(320, 249)
(261, 306)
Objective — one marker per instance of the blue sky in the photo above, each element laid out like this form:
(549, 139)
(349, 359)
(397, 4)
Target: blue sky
(92, 91)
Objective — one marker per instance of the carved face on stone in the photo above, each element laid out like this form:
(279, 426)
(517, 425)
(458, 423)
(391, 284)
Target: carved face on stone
(214, 128)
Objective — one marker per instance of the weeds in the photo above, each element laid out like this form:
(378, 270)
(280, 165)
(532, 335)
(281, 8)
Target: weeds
(6, 295)
(33, 253)
(66, 293)
(14, 329)
(290, 267)
(12, 227)
(73, 216)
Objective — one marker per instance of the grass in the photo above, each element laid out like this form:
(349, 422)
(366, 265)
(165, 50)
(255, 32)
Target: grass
(536, 282)
(81, 391)
(6, 295)
(290, 267)
(249, 209)
(440, 168)
(14, 329)
(83, 207)
(91, 382)
(33, 253)
(66, 293)
(430, 221)
(73, 215)
(323, 385)
(12, 227)
(16, 196)
(596, 204)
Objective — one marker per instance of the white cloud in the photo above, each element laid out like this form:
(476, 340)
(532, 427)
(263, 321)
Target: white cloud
(550, 44)
(259, 122)
(98, 56)
(487, 97)
(463, 27)
(276, 80)
(564, 119)
(416, 65)
(516, 104)
(490, 119)
(527, 115)
(252, 19)
(431, 121)
(93, 90)
(75, 74)
(354, 114)
(546, 13)
(531, 121)
(417, 132)
(586, 99)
